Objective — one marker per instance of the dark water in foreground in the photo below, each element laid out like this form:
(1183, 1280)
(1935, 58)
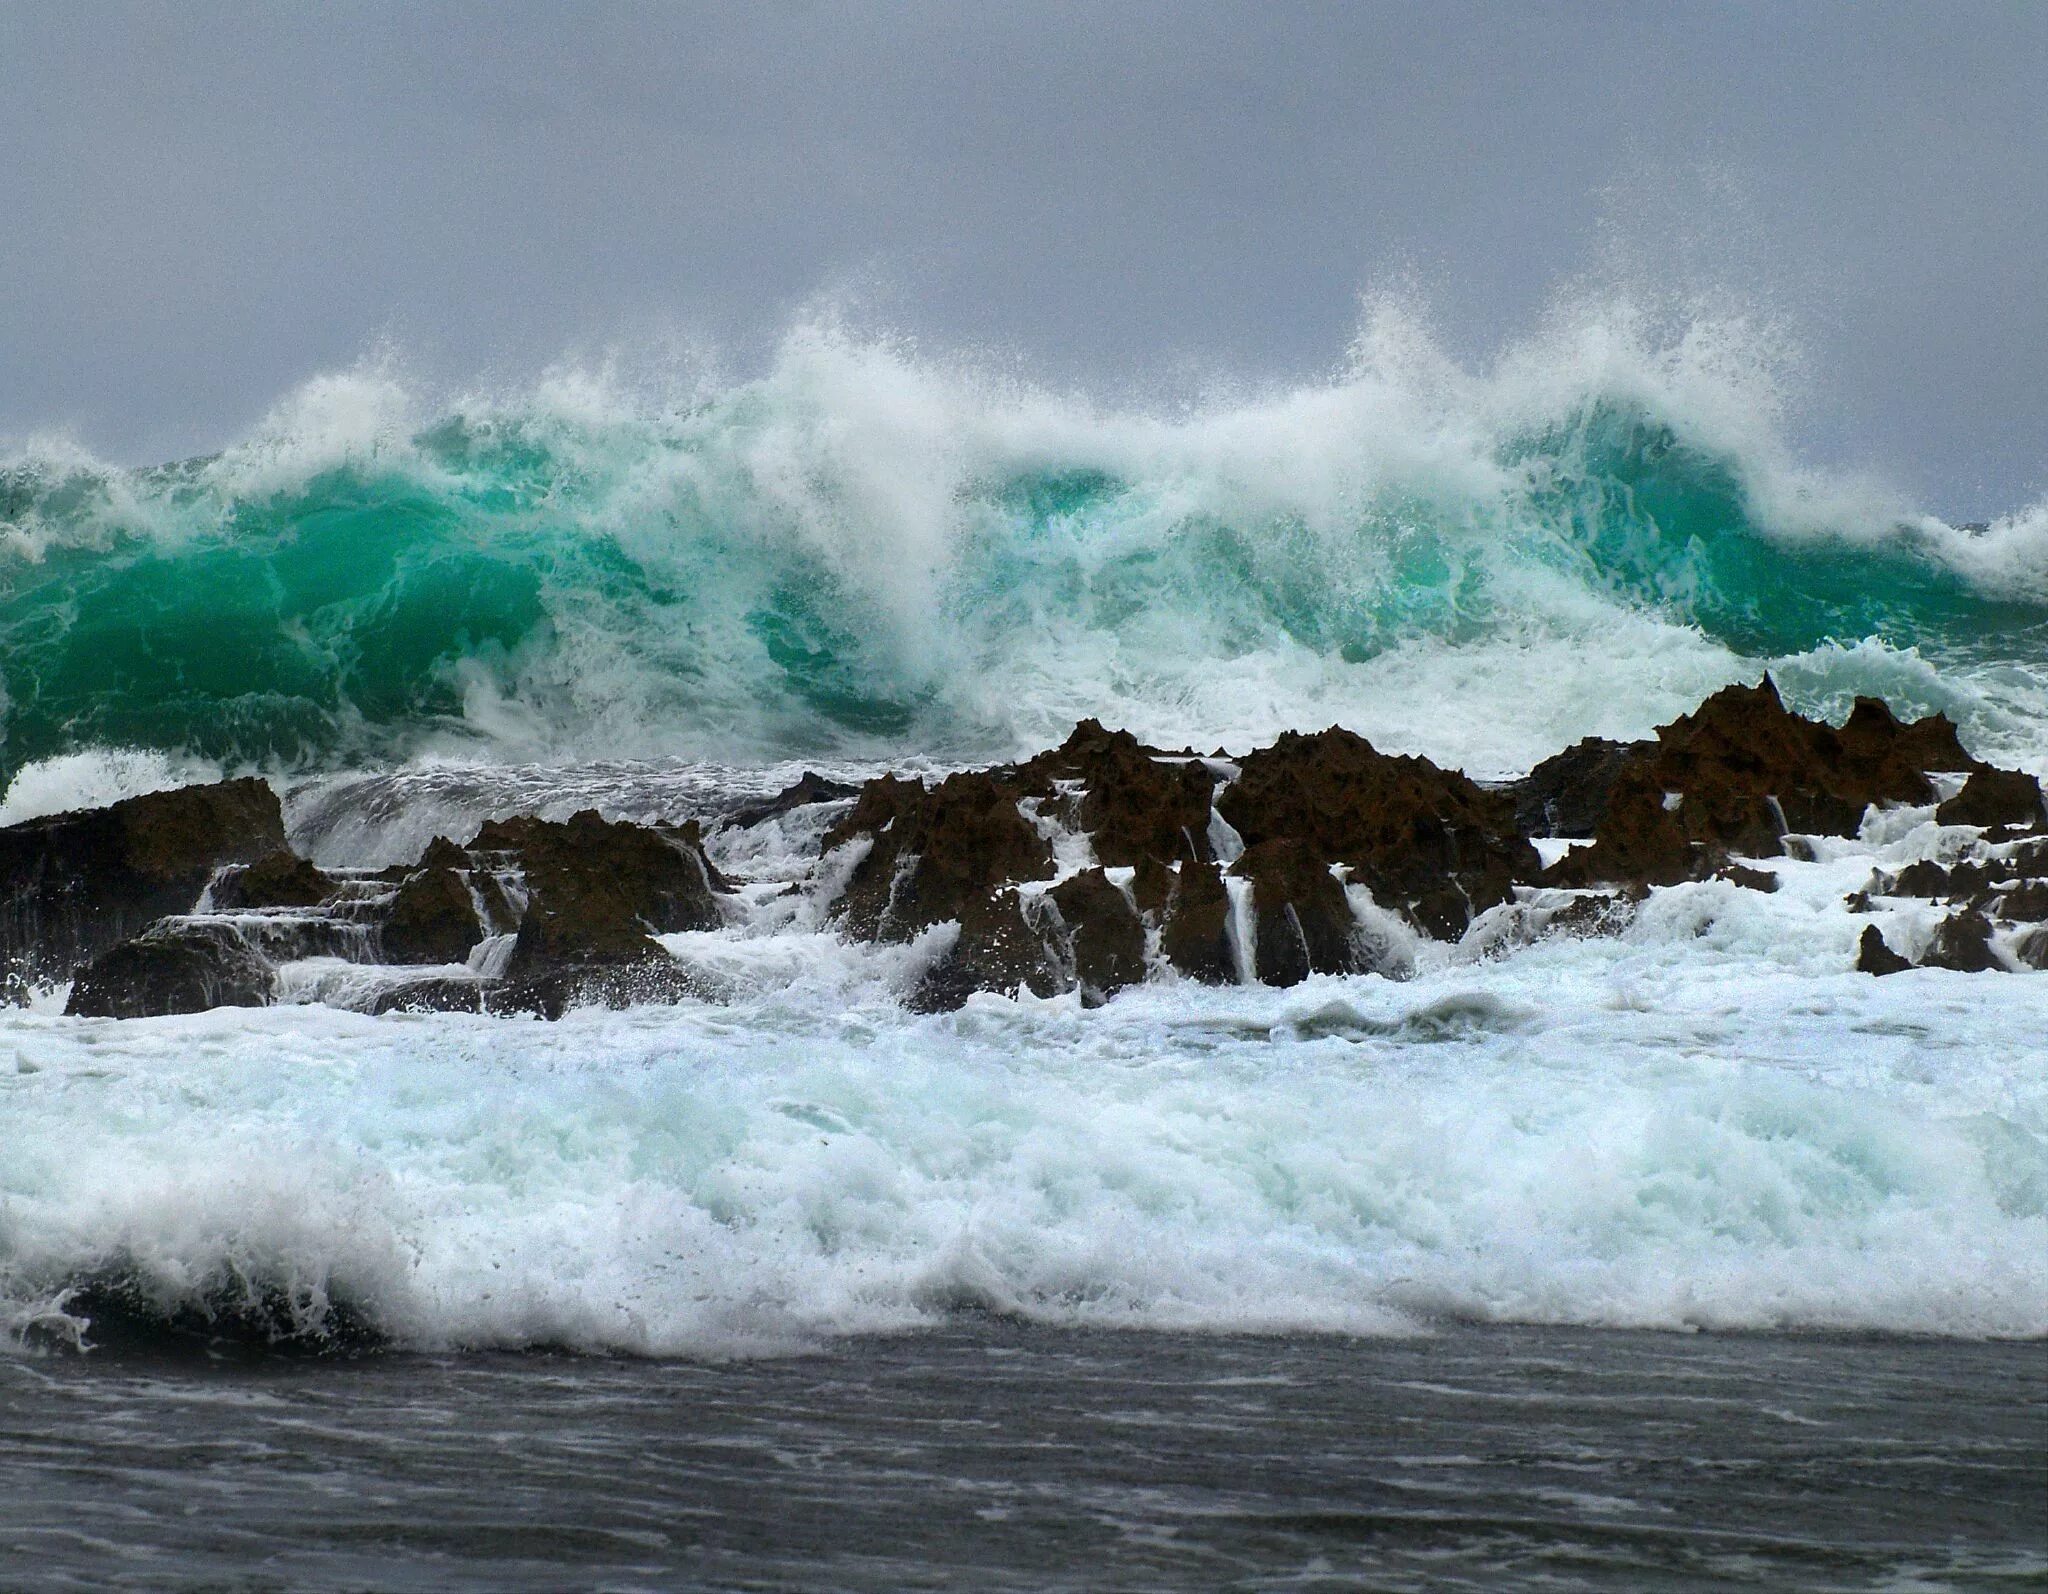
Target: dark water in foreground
(996, 1456)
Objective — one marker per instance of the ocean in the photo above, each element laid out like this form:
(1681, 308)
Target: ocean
(1669, 1258)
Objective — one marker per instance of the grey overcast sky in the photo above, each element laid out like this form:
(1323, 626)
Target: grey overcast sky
(206, 203)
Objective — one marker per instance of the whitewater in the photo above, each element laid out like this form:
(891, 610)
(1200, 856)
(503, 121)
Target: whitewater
(414, 610)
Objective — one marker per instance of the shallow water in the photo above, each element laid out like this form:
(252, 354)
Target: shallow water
(992, 1455)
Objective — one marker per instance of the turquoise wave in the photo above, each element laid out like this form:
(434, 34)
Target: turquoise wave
(701, 581)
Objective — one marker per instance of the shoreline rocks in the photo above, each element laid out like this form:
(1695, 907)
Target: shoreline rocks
(1090, 868)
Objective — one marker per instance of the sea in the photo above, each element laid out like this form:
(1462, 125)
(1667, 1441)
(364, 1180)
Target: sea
(1685, 1257)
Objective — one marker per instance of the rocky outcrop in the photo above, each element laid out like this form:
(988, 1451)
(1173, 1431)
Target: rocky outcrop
(1427, 842)
(74, 885)
(1995, 797)
(998, 950)
(1302, 922)
(933, 852)
(1566, 794)
(1195, 935)
(1875, 956)
(433, 917)
(1105, 933)
(1740, 773)
(176, 966)
(808, 790)
(1133, 801)
(280, 879)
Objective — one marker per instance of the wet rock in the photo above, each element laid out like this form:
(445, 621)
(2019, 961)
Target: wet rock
(655, 981)
(1994, 797)
(808, 790)
(1926, 878)
(1594, 914)
(1195, 936)
(998, 950)
(1106, 934)
(1427, 842)
(280, 879)
(934, 852)
(1136, 804)
(433, 918)
(440, 995)
(2032, 949)
(2025, 904)
(176, 966)
(1962, 943)
(1152, 888)
(1749, 879)
(74, 885)
(1303, 920)
(1875, 956)
(598, 890)
(1566, 794)
(1740, 772)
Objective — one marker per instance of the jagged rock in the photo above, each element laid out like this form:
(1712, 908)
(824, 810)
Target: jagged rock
(74, 885)
(1962, 943)
(656, 981)
(997, 950)
(1566, 794)
(1152, 888)
(1595, 914)
(2032, 949)
(597, 891)
(1195, 936)
(439, 995)
(1740, 772)
(433, 918)
(1749, 879)
(1303, 923)
(1425, 841)
(1875, 956)
(1136, 804)
(2026, 904)
(1107, 936)
(176, 966)
(808, 789)
(1994, 797)
(935, 851)
(280, 879)
(1925, 878)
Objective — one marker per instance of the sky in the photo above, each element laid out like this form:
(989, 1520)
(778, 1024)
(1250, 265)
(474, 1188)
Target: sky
(206, 204)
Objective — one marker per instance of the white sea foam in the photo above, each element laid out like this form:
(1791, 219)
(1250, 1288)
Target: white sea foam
(97, 777)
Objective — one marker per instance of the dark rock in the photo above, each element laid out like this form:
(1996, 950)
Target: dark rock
(176, 966)
(1875, 956)
(1152, 888)
(998, 950)
(280, 879)
(1925, 878)
(598, 890)
(1594, 914)
(1994, 797)
(1740, 772)
(934, 852)
(1107, 936)
(1962, 943)
(1749, 879)
(433, 918)
(1136, 804)
(2026, 904)
(808, 790)
(1566, 794)
(656, 981)
(1425, 841)
(1303, 923)
(74, 885)
(439, 995)
(1195, 936)
(2032, 949)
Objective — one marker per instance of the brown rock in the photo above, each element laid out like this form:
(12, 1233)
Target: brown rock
(2032, 949)
(1303, 921)
(433, 918)
(1425, 841)
(1566, 794)
(178, 965)
(1875, 956)
(1106, 934)
(2026, 904)
(997, 950)
(74, 885)
(1195, 937)
(1137, 804)
(597, 890)
(1994, 797)
(280, 879)
(1749, 879)
(1962, 943)
(1926, 878)
(935, 851)
(807, 790)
